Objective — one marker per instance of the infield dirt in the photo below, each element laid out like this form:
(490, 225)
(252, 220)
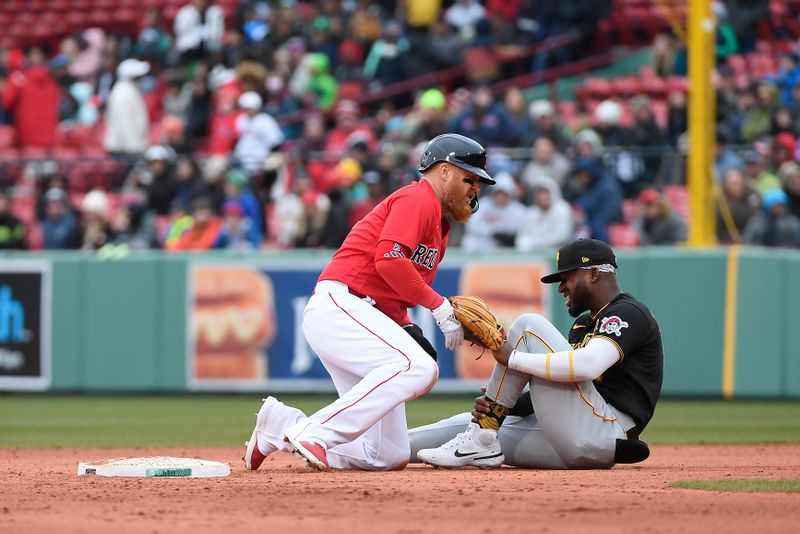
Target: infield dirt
(40, 492)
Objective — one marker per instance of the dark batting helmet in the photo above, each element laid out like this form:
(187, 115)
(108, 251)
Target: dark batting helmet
(458, 150)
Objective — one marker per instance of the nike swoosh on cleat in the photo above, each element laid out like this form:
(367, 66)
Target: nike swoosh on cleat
(459, 454)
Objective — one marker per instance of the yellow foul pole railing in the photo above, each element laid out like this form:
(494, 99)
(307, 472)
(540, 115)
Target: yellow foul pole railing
(702, 124)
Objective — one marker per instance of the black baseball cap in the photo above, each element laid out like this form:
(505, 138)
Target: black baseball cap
(580, 253)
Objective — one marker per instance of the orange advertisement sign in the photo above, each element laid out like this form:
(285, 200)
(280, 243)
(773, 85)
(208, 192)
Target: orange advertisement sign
(232, 320)
(509, 290)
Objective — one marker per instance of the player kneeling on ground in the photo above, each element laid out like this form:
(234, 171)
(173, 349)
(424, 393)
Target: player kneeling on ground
(590, 396)
(357, 320)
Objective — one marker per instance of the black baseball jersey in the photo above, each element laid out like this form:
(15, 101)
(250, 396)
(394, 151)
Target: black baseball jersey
(633, 384)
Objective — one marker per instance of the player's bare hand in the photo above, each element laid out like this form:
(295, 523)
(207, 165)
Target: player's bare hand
(481, 407)
(501, 355)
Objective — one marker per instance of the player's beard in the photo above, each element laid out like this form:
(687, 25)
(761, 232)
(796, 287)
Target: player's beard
(457, 205)
(580, 299)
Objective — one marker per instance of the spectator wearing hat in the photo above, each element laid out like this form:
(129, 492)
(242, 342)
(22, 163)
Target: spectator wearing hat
(597, 196)
(543, 114)
(237, 190)
(12, 230)
(757, 175)
(545, 162)
(608, 119)
(31, 95)
(741, 202)
(59, 227)
(312, 82)
(258, 134)
(127, 125)
(587, 143)
(94, 217)
(497, 221)
(429, 116)
(657, 223)
(549, 222)
(774, 226)
(199, 27)
(158, 179)
(237, 232)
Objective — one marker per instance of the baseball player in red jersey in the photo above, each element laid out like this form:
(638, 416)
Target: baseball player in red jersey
(357, 321)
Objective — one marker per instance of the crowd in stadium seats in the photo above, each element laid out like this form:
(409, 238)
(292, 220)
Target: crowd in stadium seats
(228, 124)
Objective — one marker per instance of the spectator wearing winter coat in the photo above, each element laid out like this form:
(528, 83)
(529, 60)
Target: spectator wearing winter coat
(597, 196)
(549, 222)
(657, 223)
(237, 231)
(127, 125)
(32, 96)
(741, 203)
(774, 226)
(199, 28)
(543, 115)
(495, 225)
(485, 121)
(237, 190)
(789, 174)
(259, 134)
(546, 162)
(59, 227)
(12, 230)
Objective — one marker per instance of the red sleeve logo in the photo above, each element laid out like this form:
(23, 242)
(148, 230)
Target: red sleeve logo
(612, 325)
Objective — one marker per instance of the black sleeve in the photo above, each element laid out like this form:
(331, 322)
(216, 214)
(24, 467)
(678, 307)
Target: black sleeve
(625, 325)
(416, 332)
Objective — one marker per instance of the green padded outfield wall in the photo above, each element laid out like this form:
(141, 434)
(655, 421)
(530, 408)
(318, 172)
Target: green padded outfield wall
(121, 325)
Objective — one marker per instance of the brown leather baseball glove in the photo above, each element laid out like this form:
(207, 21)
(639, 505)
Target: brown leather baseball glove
(480, 324)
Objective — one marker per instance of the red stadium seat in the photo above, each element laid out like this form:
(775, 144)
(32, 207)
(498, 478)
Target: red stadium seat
(622, 236)
(24, 207)
(8, 137)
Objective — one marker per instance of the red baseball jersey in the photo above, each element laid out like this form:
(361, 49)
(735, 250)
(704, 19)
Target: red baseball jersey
(410, 217)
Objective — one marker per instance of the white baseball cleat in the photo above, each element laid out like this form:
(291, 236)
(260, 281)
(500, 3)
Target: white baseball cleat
(252, 456)
(476, 446)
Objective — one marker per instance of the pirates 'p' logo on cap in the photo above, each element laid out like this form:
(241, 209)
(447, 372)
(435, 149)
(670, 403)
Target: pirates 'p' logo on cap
(584, 259)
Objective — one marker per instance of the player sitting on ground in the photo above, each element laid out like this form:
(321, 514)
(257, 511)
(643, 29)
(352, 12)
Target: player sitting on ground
(590, 397)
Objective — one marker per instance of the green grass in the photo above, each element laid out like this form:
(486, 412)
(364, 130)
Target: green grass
(747, 486)
(227, 420)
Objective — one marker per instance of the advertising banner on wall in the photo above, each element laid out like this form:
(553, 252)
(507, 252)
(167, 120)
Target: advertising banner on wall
(24, 326)
(245, 323)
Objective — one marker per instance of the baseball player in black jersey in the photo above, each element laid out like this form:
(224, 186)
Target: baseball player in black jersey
(590, 396)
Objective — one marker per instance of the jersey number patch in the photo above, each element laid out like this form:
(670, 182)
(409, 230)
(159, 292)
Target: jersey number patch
(612, 325)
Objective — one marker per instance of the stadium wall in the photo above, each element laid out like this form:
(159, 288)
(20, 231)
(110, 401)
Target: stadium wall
(135, 324)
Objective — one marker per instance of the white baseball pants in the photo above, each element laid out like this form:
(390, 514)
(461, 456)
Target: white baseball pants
(376, 367)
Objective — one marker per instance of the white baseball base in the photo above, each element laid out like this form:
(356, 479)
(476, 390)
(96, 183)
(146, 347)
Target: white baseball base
(154, 466)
